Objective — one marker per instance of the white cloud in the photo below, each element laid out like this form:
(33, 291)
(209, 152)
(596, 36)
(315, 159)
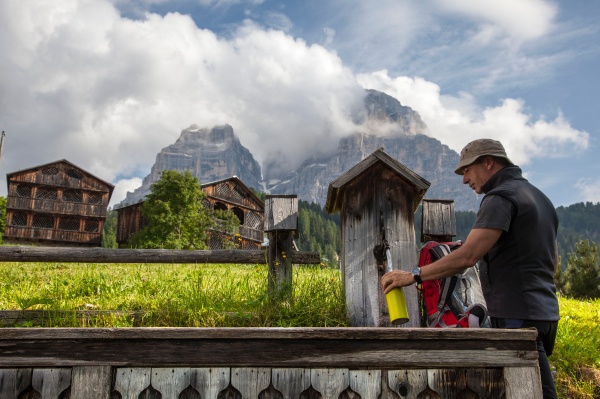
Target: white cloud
(108, 93)
(455, 121)
(589, 189)
(82, 82)
(520, 19)
(122, 187)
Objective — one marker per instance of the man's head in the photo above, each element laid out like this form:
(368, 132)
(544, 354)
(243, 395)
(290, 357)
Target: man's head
(480, 160)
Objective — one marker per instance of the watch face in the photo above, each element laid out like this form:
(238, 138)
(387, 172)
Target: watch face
(416, 271)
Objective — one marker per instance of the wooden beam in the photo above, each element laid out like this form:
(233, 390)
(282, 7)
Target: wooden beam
(109, 255)
(268, 347)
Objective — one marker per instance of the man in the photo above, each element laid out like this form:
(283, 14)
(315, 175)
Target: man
(514, 238)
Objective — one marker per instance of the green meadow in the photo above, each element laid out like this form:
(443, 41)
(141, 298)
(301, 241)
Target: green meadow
(224, 295)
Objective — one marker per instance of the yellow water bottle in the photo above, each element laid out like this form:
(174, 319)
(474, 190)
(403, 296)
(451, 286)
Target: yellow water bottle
(395, 299)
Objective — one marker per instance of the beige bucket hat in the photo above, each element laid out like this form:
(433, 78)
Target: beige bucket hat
(479, 148)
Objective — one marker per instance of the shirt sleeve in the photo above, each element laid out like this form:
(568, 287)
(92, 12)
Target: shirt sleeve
(495, 212)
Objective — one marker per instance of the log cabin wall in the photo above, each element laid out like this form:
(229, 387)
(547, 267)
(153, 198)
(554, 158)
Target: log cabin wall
(265, 363)
(56, 204)
(224, 194)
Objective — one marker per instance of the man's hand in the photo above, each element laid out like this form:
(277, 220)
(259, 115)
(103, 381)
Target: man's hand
(396, 278)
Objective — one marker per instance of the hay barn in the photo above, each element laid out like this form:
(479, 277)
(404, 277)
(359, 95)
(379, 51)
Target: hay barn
(56, 204)
(230, 193)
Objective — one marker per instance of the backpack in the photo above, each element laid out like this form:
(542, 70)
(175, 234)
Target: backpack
(455, 301)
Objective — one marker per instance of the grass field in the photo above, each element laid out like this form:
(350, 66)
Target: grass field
(169, 295)
(144, 295)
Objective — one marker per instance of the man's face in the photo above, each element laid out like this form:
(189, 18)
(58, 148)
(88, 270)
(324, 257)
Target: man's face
(476, 175)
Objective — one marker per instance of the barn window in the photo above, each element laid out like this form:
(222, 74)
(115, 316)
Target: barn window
(74, 173)
(43, 221)
(223, 190)
(219, 206)
(18, 219)
(23, 190)
(46, 193)
(239, 213)
(94, 198)
(50, 171)
(68, 223)
(238, 193)
(206, 203)
(73, 196)
(92, 226)
(253, 220)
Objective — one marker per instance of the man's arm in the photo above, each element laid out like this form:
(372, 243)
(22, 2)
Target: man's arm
(478, 243)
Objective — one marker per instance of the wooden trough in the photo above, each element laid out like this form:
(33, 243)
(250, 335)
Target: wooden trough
(236, 363)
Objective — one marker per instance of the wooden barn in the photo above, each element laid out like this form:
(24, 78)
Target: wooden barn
(56, 204)
(230, 193)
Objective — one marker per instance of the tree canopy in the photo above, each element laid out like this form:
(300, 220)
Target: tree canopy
(175, 216)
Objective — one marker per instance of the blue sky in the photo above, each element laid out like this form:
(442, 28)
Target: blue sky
(107, 84)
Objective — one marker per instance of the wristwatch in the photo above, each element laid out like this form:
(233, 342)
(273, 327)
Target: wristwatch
(416, 272)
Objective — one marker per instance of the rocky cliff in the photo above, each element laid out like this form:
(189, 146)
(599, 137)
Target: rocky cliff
(401, 132)
(214, 154)
(209, 154)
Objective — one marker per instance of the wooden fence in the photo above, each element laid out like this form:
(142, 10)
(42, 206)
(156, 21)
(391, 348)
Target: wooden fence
(265, 363)
(262, 363)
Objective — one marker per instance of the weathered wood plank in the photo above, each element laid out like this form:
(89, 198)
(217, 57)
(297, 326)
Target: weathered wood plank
(487, 383)
(110, 255)
(280, 265)
(129, 382)
(170, 382)
(438, 219)
(366, 383)
(408, 383)
(330, 383)
(248, 347)
(209, 382)
(291, 382)
(485, 335)
(250, 381)
(92, 382)
(281, 212)
(50, 383)
(13, 382)
(523, 382)
(258, 353)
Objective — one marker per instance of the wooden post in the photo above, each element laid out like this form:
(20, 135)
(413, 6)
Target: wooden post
(438, 221)
(281, 220)
(377, 200)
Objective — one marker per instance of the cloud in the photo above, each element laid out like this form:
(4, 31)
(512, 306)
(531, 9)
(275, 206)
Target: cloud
(122, 187)
(108, 93)
(590, 189)
(456, 120)
(83, 82)
(520, 19)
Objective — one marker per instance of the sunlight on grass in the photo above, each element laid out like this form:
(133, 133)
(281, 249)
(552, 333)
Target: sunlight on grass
(577, 345)
(168, 295)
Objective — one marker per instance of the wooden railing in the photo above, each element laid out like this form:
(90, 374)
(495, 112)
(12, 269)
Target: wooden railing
(306, 363)
(109, 255)
(256, 363)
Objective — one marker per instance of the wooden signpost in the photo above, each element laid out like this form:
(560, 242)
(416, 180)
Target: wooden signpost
(377, 200)
(281, 220)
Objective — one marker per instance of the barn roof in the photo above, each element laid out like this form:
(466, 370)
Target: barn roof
(241, 183)
(214, 183)
(60, 161)
(336, 187)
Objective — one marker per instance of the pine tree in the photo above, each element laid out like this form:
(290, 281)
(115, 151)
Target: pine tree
(582, 275)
